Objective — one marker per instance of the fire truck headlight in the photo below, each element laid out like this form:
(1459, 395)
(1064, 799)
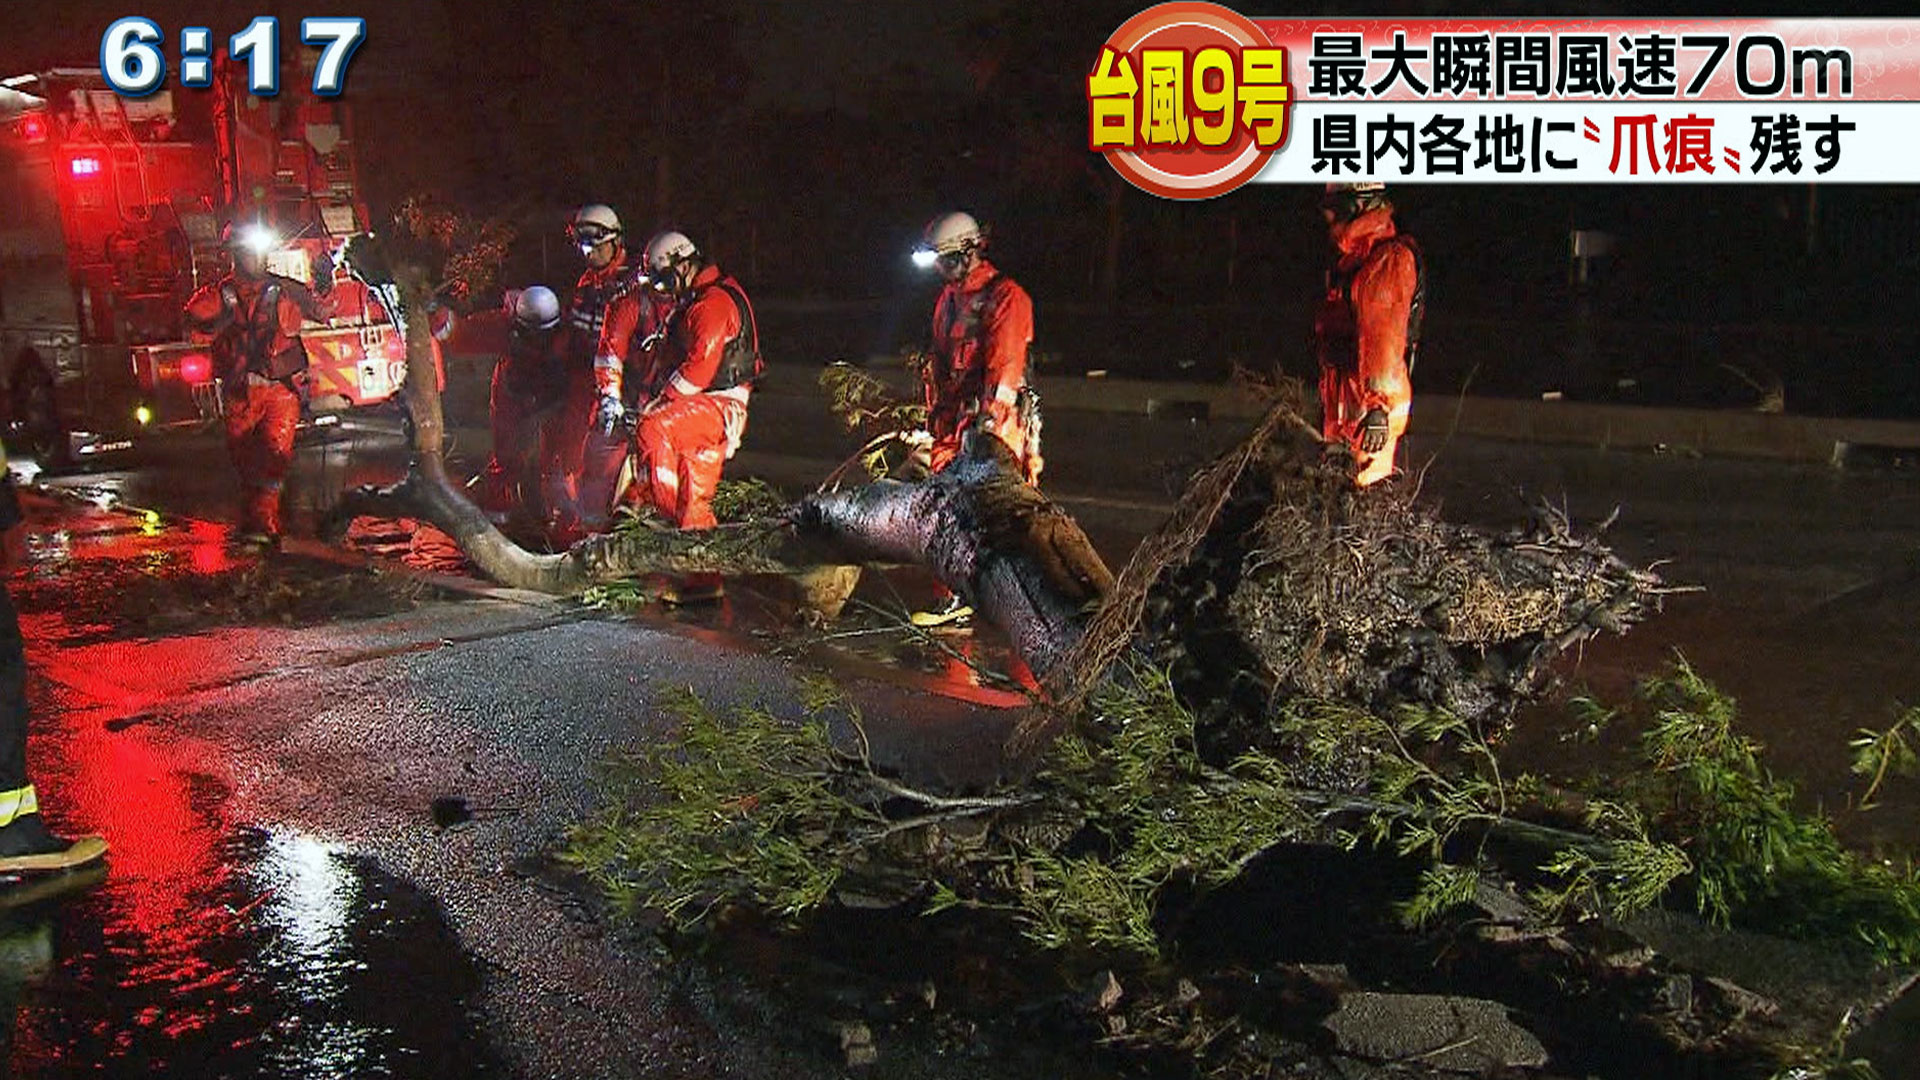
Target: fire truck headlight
(143, 415)
(259, 239)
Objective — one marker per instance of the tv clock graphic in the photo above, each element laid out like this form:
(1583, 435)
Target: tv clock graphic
(134, 66)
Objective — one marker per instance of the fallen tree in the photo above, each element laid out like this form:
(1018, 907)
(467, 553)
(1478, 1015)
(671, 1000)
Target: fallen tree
(1285, 660)
(1272, 579)
(1339, 730)
(1022, 560)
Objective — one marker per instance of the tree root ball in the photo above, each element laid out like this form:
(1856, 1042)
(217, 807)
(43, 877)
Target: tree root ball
(1303, 587)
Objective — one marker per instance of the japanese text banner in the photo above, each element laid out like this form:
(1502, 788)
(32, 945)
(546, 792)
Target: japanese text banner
(1594, 101)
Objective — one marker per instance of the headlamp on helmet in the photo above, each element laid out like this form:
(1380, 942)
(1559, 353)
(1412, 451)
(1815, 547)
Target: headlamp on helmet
(949, 239)
(251, 237)
(665, 254)
(1348, 201)
(592, 225)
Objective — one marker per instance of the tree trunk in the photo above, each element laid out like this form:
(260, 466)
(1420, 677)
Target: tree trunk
(1015, 556)
(1020, 560)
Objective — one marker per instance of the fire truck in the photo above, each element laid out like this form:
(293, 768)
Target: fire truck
(111, 212)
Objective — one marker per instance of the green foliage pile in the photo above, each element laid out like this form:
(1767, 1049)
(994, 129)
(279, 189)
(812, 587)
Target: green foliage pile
(1759, 862)
(1155, 814)
(1435, 789)
(747, 499)
(1694, 816)
(742, 808)
(753, 810)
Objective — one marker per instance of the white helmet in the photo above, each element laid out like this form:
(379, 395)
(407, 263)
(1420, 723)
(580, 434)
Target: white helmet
(594, 224)
(950, 233)
(669, 249)
(536, 308)
(1349, 200)
(666, 251)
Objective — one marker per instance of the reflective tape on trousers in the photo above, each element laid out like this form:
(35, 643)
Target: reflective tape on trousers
(18, 803)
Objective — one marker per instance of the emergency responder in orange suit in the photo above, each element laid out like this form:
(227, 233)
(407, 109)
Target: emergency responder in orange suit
(1368, 326)
(627, 373)
(595, 229)
(982, 328)
(255, 319)
(526, 381)
(712, 356)
(976, 375)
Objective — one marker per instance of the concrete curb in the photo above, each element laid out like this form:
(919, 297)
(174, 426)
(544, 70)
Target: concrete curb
(1836, 441)
(1730, 433)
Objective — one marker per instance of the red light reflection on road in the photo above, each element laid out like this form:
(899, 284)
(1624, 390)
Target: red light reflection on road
(105, 768)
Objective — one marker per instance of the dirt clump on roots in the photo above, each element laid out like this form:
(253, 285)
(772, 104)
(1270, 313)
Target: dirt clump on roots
(1275, 580)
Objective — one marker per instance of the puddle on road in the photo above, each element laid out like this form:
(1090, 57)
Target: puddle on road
(282, 958)
(103, 574)
(211, 948)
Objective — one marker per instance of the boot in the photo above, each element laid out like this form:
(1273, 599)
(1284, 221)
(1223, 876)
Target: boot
(953, 612)
(263, 510)
(259, 518)
(26, 845)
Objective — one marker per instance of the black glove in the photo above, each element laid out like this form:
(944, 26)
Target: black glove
(367, 259)
(1373, 431)
(322, 274)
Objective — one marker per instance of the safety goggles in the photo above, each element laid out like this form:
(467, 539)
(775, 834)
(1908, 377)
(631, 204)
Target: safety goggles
(927, 259)
(589, 236)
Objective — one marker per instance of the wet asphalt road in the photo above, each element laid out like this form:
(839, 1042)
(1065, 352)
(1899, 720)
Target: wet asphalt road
(282, 902)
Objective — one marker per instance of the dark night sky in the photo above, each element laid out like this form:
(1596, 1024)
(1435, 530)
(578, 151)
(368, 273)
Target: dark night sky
(806, 141)
(805, 53)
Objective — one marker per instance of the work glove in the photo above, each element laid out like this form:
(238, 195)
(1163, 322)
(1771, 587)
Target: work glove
(1373, 431)
(608, 414)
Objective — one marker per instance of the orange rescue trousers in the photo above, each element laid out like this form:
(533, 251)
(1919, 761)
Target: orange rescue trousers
(948, 431)
(683, 447)
(261, 420)
(1343, 406)
(600, 469)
